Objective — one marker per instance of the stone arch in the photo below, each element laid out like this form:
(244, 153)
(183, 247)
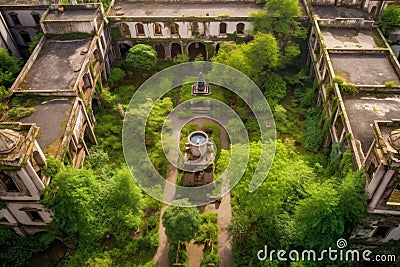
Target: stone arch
(176, 49)
(160, 50)
(240, 28)
(139, 29)
(195, 49)
(124, 30)
(217, 47)
(124, 49)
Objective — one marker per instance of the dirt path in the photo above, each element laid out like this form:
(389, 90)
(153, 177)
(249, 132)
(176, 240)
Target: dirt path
(224, 211)
(195, 253)
(161, 257)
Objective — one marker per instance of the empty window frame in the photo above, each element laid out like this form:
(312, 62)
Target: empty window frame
(222, 28)
(8, 183)
(36, 18)
(139, 29)
(26, 38)
(174, 28)
(240, 28)
(15, 19)
(157, 29)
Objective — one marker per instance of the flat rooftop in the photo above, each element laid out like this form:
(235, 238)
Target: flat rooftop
(52, 118)
(152, 9)
(362, 111)
(21, 2)
(331, 12)
(71, 14)
(57, 65)
(351, 38)
(363, 69)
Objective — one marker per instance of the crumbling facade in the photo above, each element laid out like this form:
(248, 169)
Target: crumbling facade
(358, 77)
(357, 74)
(61, 124)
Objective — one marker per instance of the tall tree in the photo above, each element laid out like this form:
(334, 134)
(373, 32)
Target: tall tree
(254, 58)
(389, 20)
(181, 223)
(142, 56)
(9, 68)
(72, 196)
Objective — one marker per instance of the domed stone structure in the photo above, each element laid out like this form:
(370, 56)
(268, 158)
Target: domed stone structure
(394, 139)
(9, 140)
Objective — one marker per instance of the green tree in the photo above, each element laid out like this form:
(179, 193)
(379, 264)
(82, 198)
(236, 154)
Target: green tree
(279, 19)
(116, 75)
(73, 195)
(122, 201)
(265, 215)
(274, 88)
(181, 223)
(9, 68)
(254, 58)
(389, 20)
(142, 56)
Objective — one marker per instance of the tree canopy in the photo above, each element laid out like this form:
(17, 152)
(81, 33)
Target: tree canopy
(9, 68)
(181, 223)
(253, 58)
(142, 56)
(389, 20)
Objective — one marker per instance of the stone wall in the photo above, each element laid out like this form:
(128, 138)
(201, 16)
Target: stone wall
(191, 1)
(359, 23)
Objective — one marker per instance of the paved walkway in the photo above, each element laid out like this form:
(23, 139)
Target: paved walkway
(161, 257)
(224, 215)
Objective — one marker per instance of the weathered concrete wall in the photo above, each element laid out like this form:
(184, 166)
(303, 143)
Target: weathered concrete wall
(191, 1)
(186, 29)
(6, 39)
(62, 27)
(323, 2)
(27, 23)
(346, 23)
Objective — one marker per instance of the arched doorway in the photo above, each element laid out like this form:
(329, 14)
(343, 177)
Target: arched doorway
(160, 51)
(176, 49)
(124, 49)
(373, 11)
(217, 48)
(195, 49)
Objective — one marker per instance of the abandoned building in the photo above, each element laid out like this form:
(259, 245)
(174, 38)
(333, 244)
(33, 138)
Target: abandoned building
(59, 78)
(359, 80)
(357, 73)
(175, 28)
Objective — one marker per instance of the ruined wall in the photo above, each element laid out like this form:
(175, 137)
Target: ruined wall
(346, 23)
(186, 29)
(191, 1)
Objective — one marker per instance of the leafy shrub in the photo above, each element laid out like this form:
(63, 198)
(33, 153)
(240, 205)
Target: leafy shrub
(53, 166)
(17, 113)
(116, 75)
(17, 250)
(142, 56)
(274, 89)
(313, 135)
